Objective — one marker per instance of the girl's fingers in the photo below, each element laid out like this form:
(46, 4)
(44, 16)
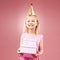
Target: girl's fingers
(37, 54)
(33, 55)
(20, 54)
(18, 51)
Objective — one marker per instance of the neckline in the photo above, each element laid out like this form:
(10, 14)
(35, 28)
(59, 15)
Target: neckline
(31, 35)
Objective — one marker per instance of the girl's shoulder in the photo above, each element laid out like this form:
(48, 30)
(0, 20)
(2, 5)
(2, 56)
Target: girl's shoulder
(23, 34)
(40, 36)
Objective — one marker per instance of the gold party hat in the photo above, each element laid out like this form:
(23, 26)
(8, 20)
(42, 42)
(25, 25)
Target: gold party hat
(31, 10)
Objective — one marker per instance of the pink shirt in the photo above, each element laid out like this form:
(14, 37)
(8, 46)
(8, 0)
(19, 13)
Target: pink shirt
(29, 37)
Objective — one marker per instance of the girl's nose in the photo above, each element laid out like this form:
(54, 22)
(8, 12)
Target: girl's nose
(30, 22)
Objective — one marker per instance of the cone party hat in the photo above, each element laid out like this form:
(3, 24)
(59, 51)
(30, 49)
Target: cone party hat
(31, 11)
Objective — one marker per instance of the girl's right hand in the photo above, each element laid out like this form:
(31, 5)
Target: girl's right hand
(18, 51)
(19, 54)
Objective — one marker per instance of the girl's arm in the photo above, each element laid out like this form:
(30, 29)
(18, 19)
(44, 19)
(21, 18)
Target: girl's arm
(41, 47)
(18, 51)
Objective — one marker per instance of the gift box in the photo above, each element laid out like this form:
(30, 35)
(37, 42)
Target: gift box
(28, 47)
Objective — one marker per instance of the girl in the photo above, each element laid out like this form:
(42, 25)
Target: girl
(31, 33)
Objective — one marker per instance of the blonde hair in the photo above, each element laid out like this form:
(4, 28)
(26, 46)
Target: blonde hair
(25, 29)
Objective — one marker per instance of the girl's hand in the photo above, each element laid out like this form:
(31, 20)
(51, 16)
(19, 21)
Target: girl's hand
(18, 51)
(38, 54)
(19, 54)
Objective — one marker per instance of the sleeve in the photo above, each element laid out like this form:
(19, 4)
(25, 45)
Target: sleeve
(41, 36)
(22, 35)
(22, 38)
(40, 39)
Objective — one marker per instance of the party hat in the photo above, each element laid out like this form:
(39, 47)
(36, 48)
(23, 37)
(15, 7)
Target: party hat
(31, 10)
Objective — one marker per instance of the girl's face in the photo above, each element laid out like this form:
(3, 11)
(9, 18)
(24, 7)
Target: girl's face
(31, 22)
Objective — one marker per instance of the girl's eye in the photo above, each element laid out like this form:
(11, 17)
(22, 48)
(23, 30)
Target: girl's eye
(28, 21)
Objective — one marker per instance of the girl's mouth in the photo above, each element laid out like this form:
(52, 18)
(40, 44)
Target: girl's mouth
(30, 25)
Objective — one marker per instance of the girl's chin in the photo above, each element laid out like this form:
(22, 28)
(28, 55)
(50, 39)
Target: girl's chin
(30, 27)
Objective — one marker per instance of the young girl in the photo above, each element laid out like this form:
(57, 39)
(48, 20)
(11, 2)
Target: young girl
(31, 34)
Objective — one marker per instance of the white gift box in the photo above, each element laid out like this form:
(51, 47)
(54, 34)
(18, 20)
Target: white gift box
(28, 47)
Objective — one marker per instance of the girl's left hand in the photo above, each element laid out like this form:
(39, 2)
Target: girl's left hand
(38, 54)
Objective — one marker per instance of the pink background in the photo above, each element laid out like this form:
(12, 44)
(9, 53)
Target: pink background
(12, 16)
